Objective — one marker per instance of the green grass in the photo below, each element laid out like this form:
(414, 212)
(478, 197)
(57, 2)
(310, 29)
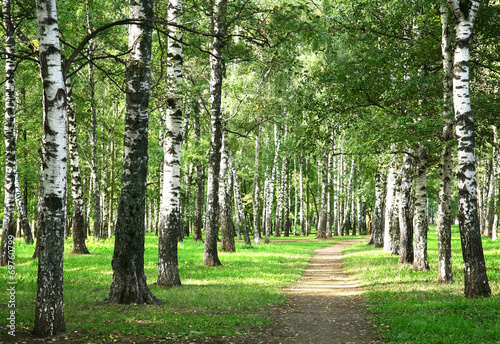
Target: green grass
(407, 306)
(229, 300)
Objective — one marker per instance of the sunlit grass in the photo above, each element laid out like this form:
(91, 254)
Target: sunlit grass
(409, 306)
(228, 300)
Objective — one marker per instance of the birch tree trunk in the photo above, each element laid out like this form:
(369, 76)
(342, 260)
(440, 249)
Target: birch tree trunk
(240, 213)
(405, 214)
(378, 223)
(445, 273)
(324, 195)
(496, 177)
(210, 256)
(78, 223)
(296, 197)
(199, 180)
(256, 191)
(389, 204)
(9, 134)
(395, 227)
(420, 261)
(225, 204)
(346, 223)
(285, 178)
(94, 174)
(129, 279)
(476, 280)
(270, 187)
(301, 188)
(49, 308)
(170, 212)
(329, 198)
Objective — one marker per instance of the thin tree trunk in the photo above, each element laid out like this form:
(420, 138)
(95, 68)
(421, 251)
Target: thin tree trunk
(476, 280)
(78, 221)
(405, 214)
(256, 191)
(346, 223)
(377, 224)
(445, 272)
(199, 180)
(420, 261)
(270, 187)
(301, 188)
(129, 279)
(170, 212)
(496, 177)
(389, 204)
(225, 204)
(395, 227)
(210, 257)
(96, 193)
(322, 221)
(49, 308)
(240, 213)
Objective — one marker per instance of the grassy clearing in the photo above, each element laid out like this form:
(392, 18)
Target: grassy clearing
(410, 307)
(223, 301)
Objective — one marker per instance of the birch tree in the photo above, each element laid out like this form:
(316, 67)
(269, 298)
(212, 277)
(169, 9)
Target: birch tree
(405, 214)
(9, 133)
(240, 214)
(420, 261)
(210, 256)
(199, 180)
(225, 204)
(170, 213)
(445, 273)
(256, 191)
(49, 308)
(389, 204)
(78, 221)
(129, 279)
(476, 280)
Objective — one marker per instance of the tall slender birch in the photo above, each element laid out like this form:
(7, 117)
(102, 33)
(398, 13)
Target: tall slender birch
(199, 180)
(496, 177)
(210, 256)
(78, 222)
(94, 173)
(225, 204)
(239, 202)
(295, 196)
(405, 214)
(445, 273)
(301, 189)
(420, 261)
(256, 191)
(170, 212)
(324, 194)
(49, 308)
(9, 133)
(270, 186)
(129, 279)
(378, 211)
(389, 203)
(476, 280)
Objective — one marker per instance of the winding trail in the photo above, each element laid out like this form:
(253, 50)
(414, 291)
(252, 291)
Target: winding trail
(324, 307)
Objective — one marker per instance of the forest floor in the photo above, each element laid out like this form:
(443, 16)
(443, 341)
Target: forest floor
(324, 307)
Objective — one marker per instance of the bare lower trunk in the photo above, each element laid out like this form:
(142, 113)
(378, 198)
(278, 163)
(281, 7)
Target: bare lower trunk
(405, 214)
(78, 221)
(129, 283)
(389, 204)
(240, 214)
(225, 201)
(476, 280)
(49, 309)
(420, 261)
(445, 273)
(210, 256)
(256, 191)
(377, 225)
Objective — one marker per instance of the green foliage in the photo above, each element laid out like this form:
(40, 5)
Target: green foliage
(408, 306)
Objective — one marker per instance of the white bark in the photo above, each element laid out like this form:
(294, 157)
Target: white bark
(270, 186)
(240, 212)
(256, 191)
(301, 190)
(421, 262)
(496, 177)
(476, 280)
(49, 309)
(9, 133)
(389, 204)
(170, 212)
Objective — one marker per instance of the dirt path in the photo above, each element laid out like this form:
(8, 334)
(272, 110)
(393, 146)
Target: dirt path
(322, 308)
